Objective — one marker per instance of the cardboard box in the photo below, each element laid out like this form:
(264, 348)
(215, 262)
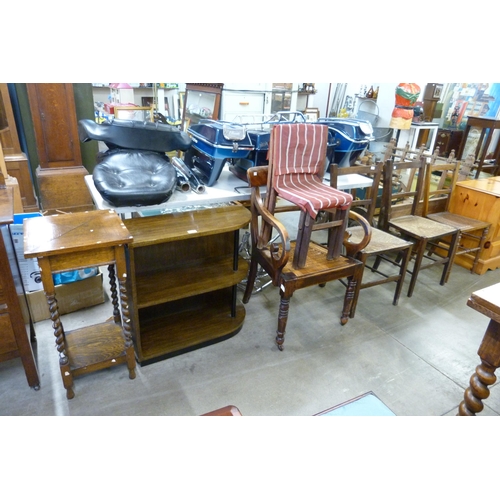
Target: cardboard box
(30, 272)
(70, 297)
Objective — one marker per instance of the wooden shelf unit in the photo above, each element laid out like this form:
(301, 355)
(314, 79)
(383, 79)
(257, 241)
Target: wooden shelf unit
(183, 269)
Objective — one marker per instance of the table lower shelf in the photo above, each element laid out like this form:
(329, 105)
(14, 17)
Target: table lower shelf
(95, 347)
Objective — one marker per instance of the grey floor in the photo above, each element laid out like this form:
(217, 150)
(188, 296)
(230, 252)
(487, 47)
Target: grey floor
(417, 357)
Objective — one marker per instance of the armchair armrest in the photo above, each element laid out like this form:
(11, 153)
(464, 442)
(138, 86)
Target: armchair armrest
(276, 249)
(353, 247)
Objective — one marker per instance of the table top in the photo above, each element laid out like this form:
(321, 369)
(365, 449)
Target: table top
(482, 121)
(487, 301)
(227, 189)
(490, 185)
(80, 231)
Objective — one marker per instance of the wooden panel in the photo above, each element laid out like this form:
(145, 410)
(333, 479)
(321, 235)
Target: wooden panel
(64, 189)
(54, 119)
(7, 338)
(8, 133)
(15, 160)
(18, 167)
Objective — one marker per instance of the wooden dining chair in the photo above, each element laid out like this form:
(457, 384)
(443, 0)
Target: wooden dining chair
(440, 181)
(384, 249)
(273, 251)
(402, 214)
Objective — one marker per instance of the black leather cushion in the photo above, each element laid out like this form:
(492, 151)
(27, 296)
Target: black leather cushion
(132, 134)
(134, 178)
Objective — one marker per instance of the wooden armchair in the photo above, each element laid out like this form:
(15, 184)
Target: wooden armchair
(274, 252)
(297, 161)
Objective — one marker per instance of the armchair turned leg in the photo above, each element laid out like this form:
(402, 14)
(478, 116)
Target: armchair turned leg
(282, 320)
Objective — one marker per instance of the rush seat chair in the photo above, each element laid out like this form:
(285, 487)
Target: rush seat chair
(437, 196)
(402, 214)
(384, 248)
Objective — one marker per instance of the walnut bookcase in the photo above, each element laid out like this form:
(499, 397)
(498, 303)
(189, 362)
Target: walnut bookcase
(183, 272)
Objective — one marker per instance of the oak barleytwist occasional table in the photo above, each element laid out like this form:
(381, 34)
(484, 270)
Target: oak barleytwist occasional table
(81, 240)
(487, 302)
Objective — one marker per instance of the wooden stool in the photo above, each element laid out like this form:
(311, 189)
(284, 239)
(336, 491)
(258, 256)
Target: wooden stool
(76, 241)
(487, 302)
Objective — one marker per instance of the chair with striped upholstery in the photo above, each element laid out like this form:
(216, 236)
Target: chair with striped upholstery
(297, 161)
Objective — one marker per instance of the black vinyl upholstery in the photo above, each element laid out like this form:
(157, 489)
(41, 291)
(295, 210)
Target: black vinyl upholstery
(132, 134)
(134, 178)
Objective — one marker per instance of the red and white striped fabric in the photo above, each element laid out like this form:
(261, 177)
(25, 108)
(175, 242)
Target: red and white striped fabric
(298, 156)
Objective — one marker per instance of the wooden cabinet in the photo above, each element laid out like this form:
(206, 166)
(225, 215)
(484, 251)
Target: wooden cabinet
(480, 199)
(15, 160)
(448, 140)
(14, 338)
(184, 268)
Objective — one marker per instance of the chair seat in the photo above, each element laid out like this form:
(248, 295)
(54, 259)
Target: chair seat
(458, 221)
(134, 178)
(317, 267)
(380, 241)
(421, 226)
(311, 194)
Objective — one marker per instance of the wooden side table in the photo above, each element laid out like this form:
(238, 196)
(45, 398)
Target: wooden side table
(14, 339)
(75, 241)
(487, 302)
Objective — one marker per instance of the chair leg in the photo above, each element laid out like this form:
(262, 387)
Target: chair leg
(419, 249)
(282, 318)
(336, 234)
(482, 241)
(353, 284)
(252, 275)
(406, 255)
(305, 228)
(356, 284)
(452, 250)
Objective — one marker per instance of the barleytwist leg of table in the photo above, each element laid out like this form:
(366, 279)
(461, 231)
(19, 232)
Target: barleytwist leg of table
(487, 302)
(484, 376)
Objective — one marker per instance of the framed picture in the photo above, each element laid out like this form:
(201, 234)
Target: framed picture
(437, 91)
(311, 114)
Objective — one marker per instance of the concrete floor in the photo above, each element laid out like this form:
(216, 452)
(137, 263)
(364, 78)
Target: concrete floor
(417, 357)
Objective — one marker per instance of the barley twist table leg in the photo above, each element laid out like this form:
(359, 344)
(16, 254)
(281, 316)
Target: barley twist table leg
(121, 271)
(66, 375)
(114, 294)
(484, 376)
